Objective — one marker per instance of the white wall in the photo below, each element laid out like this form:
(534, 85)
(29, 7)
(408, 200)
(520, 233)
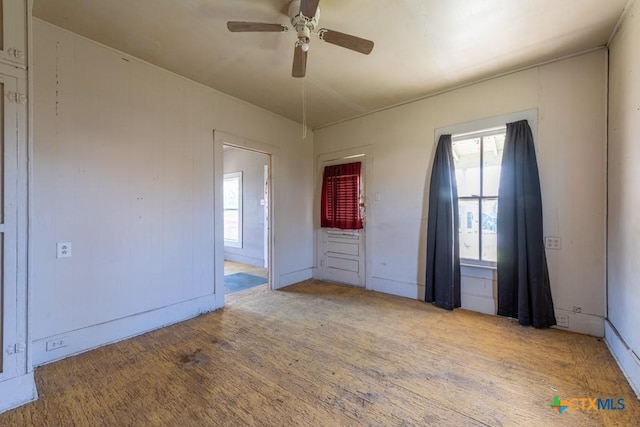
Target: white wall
(623, 328)
(570, 96)
(124, 169)
(251, 164)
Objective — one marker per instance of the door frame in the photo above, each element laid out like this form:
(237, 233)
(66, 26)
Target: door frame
(11, 316)
(365, 155)
(17, 385)
(265, 211)
(220, 139)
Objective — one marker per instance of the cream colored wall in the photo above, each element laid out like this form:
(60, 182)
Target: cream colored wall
(570, 96)
(124, 169)
(623, 331)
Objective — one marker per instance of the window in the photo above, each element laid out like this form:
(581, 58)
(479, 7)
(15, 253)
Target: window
(477, 157)
(340, 201)
(232, 194)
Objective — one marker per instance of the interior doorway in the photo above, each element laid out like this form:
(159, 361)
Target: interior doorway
(246, 220)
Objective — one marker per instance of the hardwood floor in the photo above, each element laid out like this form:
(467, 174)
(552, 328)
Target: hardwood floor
(231, 267)
(318, 354)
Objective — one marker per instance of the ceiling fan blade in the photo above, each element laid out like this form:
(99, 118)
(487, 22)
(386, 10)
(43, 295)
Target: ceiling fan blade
(309, 7)
(346, 40)
(242, 27)
(299, 62)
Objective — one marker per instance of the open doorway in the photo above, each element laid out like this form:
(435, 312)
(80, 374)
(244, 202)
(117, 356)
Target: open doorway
(246, 195)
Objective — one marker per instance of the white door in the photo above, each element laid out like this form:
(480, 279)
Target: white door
(10, 342)
(343, 256)
(342, 252)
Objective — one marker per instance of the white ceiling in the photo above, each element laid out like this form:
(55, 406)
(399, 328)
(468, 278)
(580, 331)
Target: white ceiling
(421, 46)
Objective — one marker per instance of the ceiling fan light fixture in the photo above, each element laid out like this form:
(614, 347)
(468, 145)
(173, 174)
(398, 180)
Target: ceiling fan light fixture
(304, 16)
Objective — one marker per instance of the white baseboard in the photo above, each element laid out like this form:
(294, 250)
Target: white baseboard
(294, 277)
(624, 356)
(471, 302)
(395, 287)
(478, 290)
(477, 295)
(17, 391)
(243, 259)
(587, 324)
(81, 340)
(478, 303)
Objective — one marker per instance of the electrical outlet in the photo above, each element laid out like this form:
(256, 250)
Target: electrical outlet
(57, 343)
(553, 242)
(63, 250)
(562, 320)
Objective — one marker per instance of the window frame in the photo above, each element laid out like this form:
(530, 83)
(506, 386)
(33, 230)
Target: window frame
(334, 212)
(473, 125)
(233, 176)
(480, 134)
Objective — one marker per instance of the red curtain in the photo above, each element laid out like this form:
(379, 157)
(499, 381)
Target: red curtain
(341, 197)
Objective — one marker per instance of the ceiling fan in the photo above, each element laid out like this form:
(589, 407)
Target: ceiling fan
(304, 15)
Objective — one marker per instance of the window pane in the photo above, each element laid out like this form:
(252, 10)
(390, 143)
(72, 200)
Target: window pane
(230, 190)
(489, 228)
(232, 205)
(492, 159)
(466, 155)
(231, 220)
(340, 199)
(469, 239)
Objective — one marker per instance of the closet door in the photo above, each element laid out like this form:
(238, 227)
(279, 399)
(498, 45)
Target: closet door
(13, 31)
(12, 344)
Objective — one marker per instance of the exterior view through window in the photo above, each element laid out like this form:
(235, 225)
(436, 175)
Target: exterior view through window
(477, 157)
(232, 195)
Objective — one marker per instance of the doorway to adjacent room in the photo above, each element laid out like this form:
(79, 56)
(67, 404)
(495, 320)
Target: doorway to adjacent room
(246, 230)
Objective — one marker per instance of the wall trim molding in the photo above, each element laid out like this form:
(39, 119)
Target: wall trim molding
(396, 287)
(625, 358)
(243, 259)
(483, 299)
(89, 338)
(221, 138)
(587, 324)
(464, 85)
(17, 391)
(288, 279)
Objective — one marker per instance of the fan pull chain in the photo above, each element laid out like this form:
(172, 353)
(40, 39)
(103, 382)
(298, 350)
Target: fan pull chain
(304, 108)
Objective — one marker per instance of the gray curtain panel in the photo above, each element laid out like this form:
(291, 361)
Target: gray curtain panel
(524, 291)
(443, 252)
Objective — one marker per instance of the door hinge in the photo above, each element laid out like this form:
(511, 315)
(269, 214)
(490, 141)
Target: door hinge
(16, 348)
(16, 53)
(16, 97)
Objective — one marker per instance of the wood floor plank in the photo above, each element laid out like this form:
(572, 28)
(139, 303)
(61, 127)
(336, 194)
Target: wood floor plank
(320, 354)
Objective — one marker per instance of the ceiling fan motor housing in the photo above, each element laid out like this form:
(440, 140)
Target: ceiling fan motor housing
(303, 24)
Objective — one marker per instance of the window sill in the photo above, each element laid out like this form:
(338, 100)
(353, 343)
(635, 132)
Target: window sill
(480, 271)
(483, 266)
